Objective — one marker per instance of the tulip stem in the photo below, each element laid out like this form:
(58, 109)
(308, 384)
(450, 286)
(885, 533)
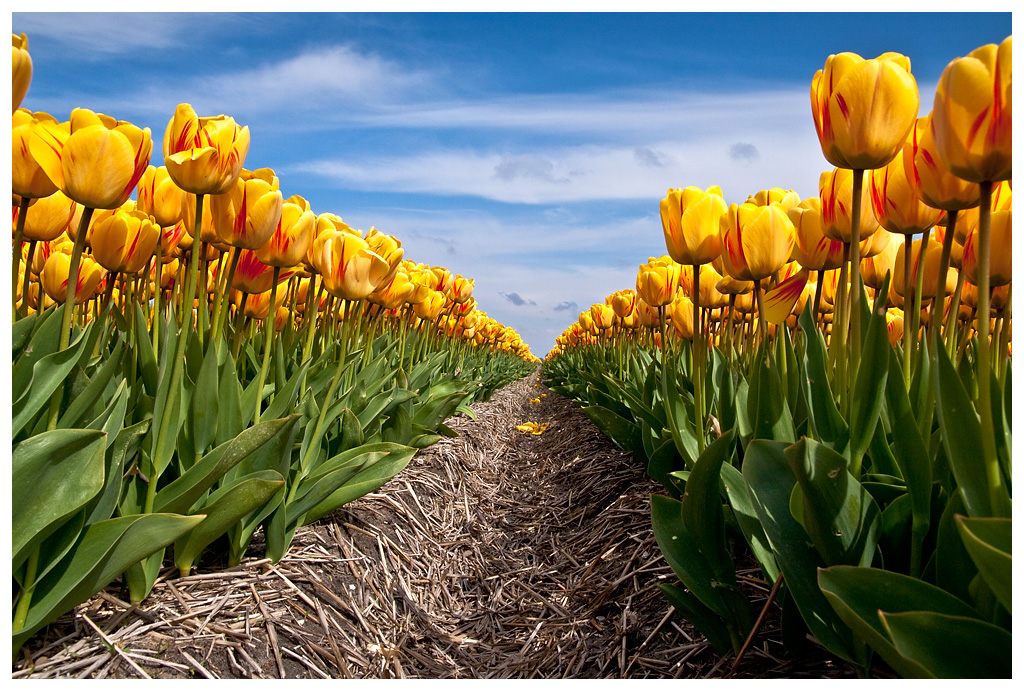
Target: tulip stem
(23, 310)
(837, 343)
(939, 302)
(69, 307)
(953, 320)
(908, 306)
(855, 289)
(698, 362)
(997, 491)
(219, 308)
(268, 345)
(19, 239)
(818, 287)
(158, 266)
(919, 294)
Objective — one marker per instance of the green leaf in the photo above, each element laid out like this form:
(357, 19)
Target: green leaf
(43, 341)
(625, 433)
(370, 479)
(104, 551)
(144, 349)
(222, 509)
(282, 404)
(21, 331)
(746, 517)
(262, 444)
(770, 482)
(963, 448)
(205, 403)
(698, 614)
(83, 404)
(951, 647)
(766, 408)
(702, 506)
(125, 446)
(839, 515)
(860, 594)
(48, 374)
(989, 542)
(231, 420)
(53, 475)
(869, 389)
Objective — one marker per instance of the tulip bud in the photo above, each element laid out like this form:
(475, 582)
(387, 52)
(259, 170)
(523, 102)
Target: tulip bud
(204, 155)
(689, 218)
(21, 69)
(125, 241)
(54, 277)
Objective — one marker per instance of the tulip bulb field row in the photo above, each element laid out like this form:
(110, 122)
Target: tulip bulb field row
(825, 383)
(208, 358)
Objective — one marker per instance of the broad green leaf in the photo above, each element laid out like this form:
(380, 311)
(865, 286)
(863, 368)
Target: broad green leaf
(698, 614)
(143, 349)
(839, 515)
(859, 594)
(53, 475)
(281, 406)
(869, 389)
(951, 647)
(104, 551)
(702, 506)
(21, 331)
(223, 508)
(229, 392)
(963, 448)
(205, 403)
(624, 432)
(44, 340)
(746, 517)
(124, 447)
(48, 374)
(83, 404)
(770, 482)
(766, 407)
(989, 542)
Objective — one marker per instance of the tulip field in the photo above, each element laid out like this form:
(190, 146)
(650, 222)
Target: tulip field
(821, 386)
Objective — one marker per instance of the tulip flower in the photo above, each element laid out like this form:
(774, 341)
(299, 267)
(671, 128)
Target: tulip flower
(756, 240)
(863, 109)
(836, 192)
(972, 114)
(461, 289)
(897, 207)
(249, 212)
(393, 294)
(812, 249)
(28, 179)
(204, 155)
(657, 281)
(21, 69)
(387, 247)
(681, 312)
(253, 276)
(874, 268)
(970, 219)
(603, 316)
(125, 241)
(689, 218)
(290, 241)
(445, 278)
(931, 181)
(1000, 269)
(55, 273)
(97, 160)
(350, 269)
(160, 197)
(788, 199)
(430, 308)
(50, 217)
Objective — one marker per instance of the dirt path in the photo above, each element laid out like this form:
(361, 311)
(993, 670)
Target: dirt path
(494, 554)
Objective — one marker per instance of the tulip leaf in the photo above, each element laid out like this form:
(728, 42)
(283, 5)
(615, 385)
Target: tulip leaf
(281, 406)
(125, 446)
(43, 342)
(22, 329)
(839, 515)
(702, 506)
(766, 407)
(951, 647)
(989, 542)
(679, 419)
(827, 424)
(956, 412)
(746, 517)
(770, 482)
(868, 396)
(698, 614)
(622, 431)
(143, 349)
(48, 374)
(229, 393)
(53, 475)
(367, 480)
(104, 551)
(84, 403)
(205, 403)
(860, 595)
(222, 509)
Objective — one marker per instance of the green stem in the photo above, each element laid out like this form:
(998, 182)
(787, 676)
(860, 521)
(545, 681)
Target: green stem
(908, 305)
(855, 289)
(19, 240)
(939, 303)
(268, 345)
(23, 310)
(953, 320)
(997, 492)
(698, 363)
(25, 601)
(219, 308)
(157, 289)
(919, 294)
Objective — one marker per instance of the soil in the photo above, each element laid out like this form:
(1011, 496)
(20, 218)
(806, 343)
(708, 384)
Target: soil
(494, 554)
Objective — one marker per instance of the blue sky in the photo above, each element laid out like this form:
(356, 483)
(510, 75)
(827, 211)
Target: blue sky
(526, 151)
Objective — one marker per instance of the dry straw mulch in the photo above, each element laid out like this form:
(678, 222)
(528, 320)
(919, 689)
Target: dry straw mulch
(494, 554)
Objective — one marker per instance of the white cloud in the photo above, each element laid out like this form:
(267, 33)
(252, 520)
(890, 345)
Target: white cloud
(110, 33)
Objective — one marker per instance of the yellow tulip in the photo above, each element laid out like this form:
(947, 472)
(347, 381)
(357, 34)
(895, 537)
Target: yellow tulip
(835, 188)
(623, 302)
(204, 155)
(1000, 268)
(28, 179)
(972, 117)
(125, 241)
(812, 249)
(21, 69)
(681, 314)
(430, 308)
(253, 276)
(863, 109)
(461, 289)
(603, 316)
(257, 305)
(350, 269)
(932, 259)
(657, 281)
(159, 197)
(54, 277)
(291, 240)
(967, 221)
(874, 268)
(207, 229)
(445, 278)
(49, 217)
(896, 206)
(930, 179)
(756, 240)
(787, 198)
(97, 160)
(388, 248)
(710, 296)
(394, 293)
(247, 214)
(689, 218)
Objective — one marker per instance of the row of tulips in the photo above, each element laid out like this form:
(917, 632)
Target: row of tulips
(826, 382)
(207, 359)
